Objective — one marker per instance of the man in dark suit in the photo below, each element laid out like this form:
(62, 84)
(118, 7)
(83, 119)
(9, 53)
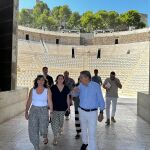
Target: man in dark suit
(48, 77)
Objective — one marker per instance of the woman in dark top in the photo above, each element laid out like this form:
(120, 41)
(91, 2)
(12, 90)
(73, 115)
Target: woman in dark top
(61, 103)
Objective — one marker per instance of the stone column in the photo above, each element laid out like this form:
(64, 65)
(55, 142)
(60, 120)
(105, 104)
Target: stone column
(149, 60)
(14, 45)
(8, 44)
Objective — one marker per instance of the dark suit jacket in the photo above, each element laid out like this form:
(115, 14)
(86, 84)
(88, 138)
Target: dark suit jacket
(50, 80)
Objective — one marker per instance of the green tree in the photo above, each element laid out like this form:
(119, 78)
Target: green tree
(25, 17)
(104, 18)
(141, 25)
(61, 14)
(98, 22)
(107, 19)
(40, 8)
(64, 13)
(52, 24)
(42, 20)
(55, 12)
(74, 20)
(131, 18)
(87, 21)
(46, 21)
(40, 14)
(113, 19)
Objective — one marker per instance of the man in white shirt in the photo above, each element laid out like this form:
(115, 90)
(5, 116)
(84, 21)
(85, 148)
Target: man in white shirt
(91, 99)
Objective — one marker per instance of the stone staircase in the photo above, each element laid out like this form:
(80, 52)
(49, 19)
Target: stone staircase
(86, 38)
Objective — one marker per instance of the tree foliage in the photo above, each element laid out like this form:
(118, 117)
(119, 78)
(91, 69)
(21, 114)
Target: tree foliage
(25, 17)
(74, 21)
(62, 16)
(88, 21)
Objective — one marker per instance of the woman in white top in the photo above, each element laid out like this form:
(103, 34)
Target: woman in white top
(39, 100)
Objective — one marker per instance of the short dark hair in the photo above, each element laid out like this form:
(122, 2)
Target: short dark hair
(113, 73)
(96, 71)
(86, 74)
(45, 68)
(66, 72)
(38, 78)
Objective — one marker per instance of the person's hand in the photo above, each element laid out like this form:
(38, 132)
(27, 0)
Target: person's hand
(76, 90)
(116, 82)
(107, 89)
(27, 115)
(100, 117)
(71, 103)
(68, 109)
(51, 115)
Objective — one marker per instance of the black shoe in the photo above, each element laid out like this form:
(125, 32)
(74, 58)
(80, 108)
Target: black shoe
(77, 136)
(83, 147)
(107, 122)
(113, 120)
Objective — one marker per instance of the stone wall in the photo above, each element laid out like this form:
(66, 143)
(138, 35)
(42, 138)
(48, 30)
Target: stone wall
(12, 103)
(143, 106)
(49, 36)
(140, 35)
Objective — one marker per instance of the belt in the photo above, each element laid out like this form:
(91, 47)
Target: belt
(88, 110)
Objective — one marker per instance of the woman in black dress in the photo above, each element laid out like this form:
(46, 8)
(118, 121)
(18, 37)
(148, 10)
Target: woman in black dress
(61, 104)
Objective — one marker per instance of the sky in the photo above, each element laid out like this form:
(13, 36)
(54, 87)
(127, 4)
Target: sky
(143, 6)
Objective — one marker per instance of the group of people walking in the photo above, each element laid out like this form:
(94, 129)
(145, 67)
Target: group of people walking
(50, 103)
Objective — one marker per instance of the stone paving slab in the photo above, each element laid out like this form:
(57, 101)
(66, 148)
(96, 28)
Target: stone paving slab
(129, 133)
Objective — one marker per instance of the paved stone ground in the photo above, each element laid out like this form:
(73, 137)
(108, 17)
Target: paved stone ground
(129, 133)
